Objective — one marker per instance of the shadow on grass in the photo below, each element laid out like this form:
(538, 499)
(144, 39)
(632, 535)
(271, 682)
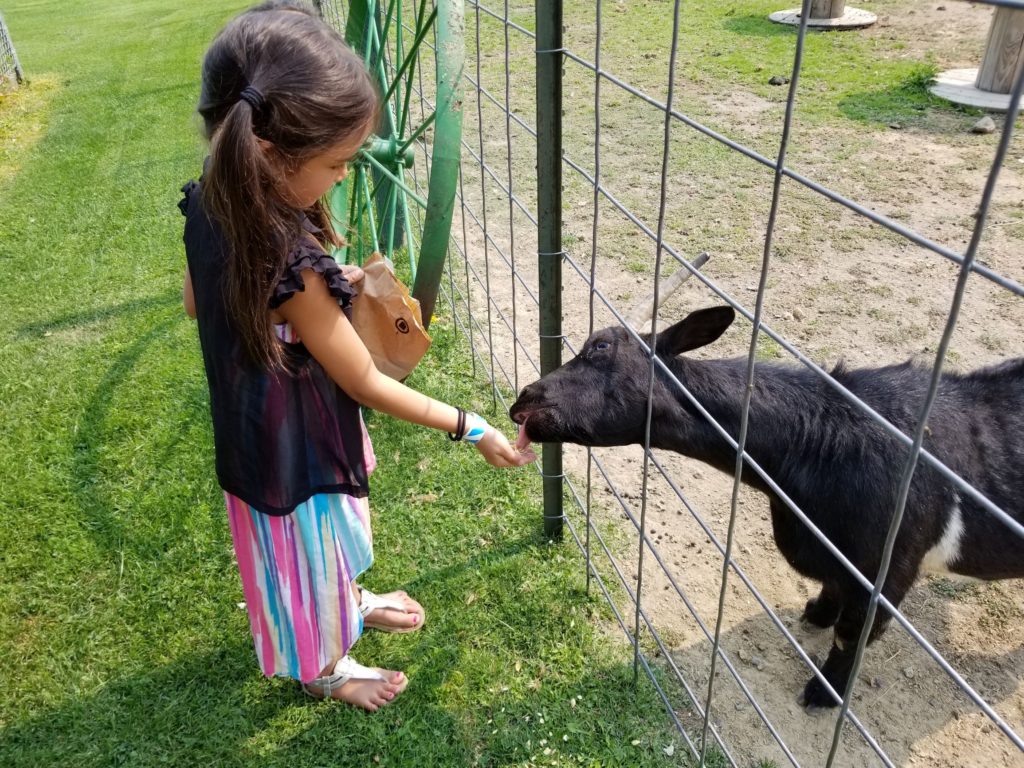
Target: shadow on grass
(906, 103)
(193, 706)
(212, 708)
(759, 26)
(104, 492)
(86, 317)
(215, 708)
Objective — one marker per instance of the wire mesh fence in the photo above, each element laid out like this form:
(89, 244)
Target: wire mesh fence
(604, 146)
(10, 68)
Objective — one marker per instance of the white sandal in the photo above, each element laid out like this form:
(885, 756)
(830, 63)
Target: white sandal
(346, 669)
(369, 602)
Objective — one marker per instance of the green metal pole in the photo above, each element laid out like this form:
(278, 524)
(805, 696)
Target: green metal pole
(368, 42)
(549, 235)
(345, 195)
(355, 26)
(447, 154)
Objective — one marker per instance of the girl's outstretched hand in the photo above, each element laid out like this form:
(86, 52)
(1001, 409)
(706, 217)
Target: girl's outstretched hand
(500, 453)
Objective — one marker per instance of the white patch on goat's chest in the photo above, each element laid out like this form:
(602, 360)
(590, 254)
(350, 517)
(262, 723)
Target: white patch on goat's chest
(939, 558)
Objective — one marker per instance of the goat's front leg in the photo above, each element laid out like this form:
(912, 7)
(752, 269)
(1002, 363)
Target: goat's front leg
(823, 611)
(839, 664)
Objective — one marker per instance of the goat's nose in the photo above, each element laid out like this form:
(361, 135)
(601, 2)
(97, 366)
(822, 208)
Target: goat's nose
(519, 409)
(529, 397)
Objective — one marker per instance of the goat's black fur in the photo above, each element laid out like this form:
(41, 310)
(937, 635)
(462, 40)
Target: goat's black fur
(837, 464)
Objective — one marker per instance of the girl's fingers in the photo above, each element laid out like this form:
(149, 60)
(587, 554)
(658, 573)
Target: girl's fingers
(499, 451)
(526, 457)
(516, 459)
(351, 272)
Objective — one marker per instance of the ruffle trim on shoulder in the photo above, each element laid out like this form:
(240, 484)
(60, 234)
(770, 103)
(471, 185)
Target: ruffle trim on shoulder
(186, 191)
(309, 255)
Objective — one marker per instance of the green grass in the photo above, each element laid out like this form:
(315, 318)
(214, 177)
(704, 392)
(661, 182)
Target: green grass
(121, 642)
(864, 77)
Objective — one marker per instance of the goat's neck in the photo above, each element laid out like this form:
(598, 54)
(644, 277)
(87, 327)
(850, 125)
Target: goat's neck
(719, 385)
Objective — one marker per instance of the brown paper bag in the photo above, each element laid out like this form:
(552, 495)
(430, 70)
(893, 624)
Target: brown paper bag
(388, 320)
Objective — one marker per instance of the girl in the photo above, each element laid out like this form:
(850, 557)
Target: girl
(285, 107)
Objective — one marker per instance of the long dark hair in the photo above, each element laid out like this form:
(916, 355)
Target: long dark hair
(316, 93)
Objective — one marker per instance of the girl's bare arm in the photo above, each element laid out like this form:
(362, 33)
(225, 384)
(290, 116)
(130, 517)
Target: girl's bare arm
(331, 339)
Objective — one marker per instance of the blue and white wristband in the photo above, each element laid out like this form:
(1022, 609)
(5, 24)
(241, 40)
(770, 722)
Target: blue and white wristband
(476, 428)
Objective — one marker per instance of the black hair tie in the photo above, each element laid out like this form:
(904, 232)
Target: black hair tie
(251, 95)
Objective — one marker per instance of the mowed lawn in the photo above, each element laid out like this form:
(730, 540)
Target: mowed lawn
(121, 637)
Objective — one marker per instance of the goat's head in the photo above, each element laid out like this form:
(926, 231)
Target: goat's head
(599, 397)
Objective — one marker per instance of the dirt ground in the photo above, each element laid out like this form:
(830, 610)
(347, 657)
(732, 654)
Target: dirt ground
(839, 288)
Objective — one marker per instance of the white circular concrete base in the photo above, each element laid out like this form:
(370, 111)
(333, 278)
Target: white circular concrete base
(957, 85)
(853, 18)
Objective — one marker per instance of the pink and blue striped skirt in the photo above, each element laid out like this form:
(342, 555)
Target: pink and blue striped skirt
(297, 572)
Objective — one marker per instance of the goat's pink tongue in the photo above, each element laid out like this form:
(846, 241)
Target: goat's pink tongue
(522, 441)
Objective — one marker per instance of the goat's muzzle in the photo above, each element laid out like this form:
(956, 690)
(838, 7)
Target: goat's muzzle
(520, 412)
(526, 405)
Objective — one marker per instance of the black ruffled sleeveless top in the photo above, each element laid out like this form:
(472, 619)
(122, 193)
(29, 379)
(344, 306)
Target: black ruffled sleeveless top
(280, 437)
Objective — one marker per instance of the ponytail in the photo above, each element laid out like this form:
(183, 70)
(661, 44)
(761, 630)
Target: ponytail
(235, 194)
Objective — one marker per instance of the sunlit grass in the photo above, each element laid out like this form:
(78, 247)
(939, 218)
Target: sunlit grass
(23, 114)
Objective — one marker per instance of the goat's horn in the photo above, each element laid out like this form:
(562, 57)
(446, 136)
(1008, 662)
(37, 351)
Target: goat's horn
(639, 317)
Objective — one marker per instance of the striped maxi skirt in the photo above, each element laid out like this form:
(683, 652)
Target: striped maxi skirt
(297, 572)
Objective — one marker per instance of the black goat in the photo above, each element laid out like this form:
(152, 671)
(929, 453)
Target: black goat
(838, 465)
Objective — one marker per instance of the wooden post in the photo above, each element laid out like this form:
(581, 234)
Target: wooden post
(1004, 52)
(826, 14)
(827, 9)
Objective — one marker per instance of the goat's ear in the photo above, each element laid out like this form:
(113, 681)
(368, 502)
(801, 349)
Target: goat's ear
(695, 330)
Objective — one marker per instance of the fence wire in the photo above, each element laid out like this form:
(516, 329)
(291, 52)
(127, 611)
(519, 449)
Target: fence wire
(495, 301)
(10, 68)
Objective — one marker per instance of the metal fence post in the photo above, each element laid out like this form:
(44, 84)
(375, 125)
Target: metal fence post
(549, 236)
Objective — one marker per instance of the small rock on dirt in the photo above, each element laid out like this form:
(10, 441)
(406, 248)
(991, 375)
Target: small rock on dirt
(985, 125)
(909, 672)
(778, 80)
(798, 314)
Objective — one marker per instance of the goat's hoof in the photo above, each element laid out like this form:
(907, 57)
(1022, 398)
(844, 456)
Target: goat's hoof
(816, 696)
(819, 615)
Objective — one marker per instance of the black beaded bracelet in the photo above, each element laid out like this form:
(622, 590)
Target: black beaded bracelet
(460, 426)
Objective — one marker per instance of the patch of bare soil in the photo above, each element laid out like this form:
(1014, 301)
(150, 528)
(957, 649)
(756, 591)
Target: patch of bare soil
(839, 288)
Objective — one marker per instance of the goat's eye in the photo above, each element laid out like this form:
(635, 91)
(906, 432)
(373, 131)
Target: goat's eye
(601, 346)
